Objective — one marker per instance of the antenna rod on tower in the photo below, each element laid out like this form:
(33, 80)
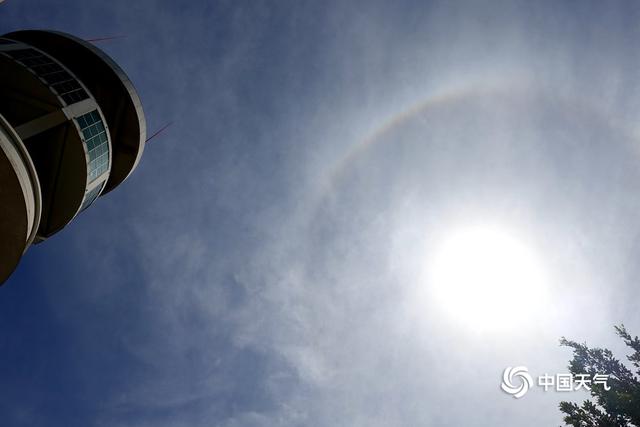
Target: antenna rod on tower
(102, 39)
(158, 132)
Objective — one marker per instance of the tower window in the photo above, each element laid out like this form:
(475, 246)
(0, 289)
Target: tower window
(97, 142)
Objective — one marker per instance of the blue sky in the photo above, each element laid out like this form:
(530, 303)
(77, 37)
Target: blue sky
(264, 265)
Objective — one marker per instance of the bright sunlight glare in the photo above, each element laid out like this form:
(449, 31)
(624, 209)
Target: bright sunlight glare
(487, 279)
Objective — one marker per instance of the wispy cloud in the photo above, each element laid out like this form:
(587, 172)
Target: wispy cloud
(252, 273)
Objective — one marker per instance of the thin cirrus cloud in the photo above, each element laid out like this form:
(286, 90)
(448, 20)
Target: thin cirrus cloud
(261, 266)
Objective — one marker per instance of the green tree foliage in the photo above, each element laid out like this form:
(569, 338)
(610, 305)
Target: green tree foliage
(618, 407)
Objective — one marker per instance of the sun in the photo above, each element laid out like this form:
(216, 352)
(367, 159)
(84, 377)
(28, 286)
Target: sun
(487, 279)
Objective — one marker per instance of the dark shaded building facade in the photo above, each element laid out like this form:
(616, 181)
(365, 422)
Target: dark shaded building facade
(71, 130)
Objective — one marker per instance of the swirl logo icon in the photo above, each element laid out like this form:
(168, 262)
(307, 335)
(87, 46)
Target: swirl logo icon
(516, 381)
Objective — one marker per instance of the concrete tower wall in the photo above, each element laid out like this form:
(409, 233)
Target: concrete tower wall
(19, 198)
(71, 129)
(111, 88)
(46, 104)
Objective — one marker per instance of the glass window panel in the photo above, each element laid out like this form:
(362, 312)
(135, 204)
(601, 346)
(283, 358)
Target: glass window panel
(97, 143)
(91, 196)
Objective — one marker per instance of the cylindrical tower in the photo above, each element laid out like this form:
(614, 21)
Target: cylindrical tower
(71, 129)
